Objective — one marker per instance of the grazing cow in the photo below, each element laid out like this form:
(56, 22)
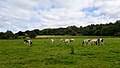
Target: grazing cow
(94, 41)
(67, 40)
(100, 41)
(72, 40)
(86, 41)
(62, 40)
(52, 40)
(29, 42)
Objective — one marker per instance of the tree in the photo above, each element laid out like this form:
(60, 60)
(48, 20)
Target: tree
(20, 33)
(1, 35)
(105, 31)
(97, 33)
(9, 35)
(37, 31)
(32, 34)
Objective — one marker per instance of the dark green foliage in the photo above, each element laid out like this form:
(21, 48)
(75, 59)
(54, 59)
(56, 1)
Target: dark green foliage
(1, 35)
(32, 34)
(111, 29)
(37, 31)
(9, 35)
(20, 33)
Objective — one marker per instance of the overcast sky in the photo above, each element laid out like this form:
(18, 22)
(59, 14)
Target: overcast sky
(21, 15)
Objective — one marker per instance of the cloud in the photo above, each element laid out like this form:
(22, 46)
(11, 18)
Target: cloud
(21, 15)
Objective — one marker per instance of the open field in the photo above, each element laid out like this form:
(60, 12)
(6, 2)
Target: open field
(44, 54)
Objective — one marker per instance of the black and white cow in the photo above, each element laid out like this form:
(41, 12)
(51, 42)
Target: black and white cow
(86, 42)
(72, 40)
(94, 41)
(98, 41)
(67, 40)
(29, 42)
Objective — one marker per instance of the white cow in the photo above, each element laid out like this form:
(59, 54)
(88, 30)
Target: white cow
(94, 41)
(62, 40)
(52, 40)
(86, 41)
(67, 41)
(72, 40)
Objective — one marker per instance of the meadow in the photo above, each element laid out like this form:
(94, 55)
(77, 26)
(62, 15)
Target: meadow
(44, 54)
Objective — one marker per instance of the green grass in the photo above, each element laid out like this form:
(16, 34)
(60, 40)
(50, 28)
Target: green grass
(44, 54)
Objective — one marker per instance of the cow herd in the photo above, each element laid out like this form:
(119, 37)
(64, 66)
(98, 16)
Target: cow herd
(64, 40)
(98, 41)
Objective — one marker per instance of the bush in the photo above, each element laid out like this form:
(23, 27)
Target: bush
(117, 34)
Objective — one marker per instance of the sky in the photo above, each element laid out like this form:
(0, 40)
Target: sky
(22, 15)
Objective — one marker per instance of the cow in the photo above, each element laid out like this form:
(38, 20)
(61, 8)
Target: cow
(86, 42)
(100, 41)
(62, 40)
(94, 41)
(72, 40)
(52, 40)
(67, 40)
(29, 42)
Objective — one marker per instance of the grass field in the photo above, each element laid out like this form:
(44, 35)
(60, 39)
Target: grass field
(44, 54)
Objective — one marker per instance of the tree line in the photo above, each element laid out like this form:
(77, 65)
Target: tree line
(109, 29)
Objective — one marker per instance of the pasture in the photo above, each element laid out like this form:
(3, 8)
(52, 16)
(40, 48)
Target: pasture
(44, 54)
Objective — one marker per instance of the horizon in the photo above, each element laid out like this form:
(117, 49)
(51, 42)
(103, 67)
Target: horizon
(22, 15)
